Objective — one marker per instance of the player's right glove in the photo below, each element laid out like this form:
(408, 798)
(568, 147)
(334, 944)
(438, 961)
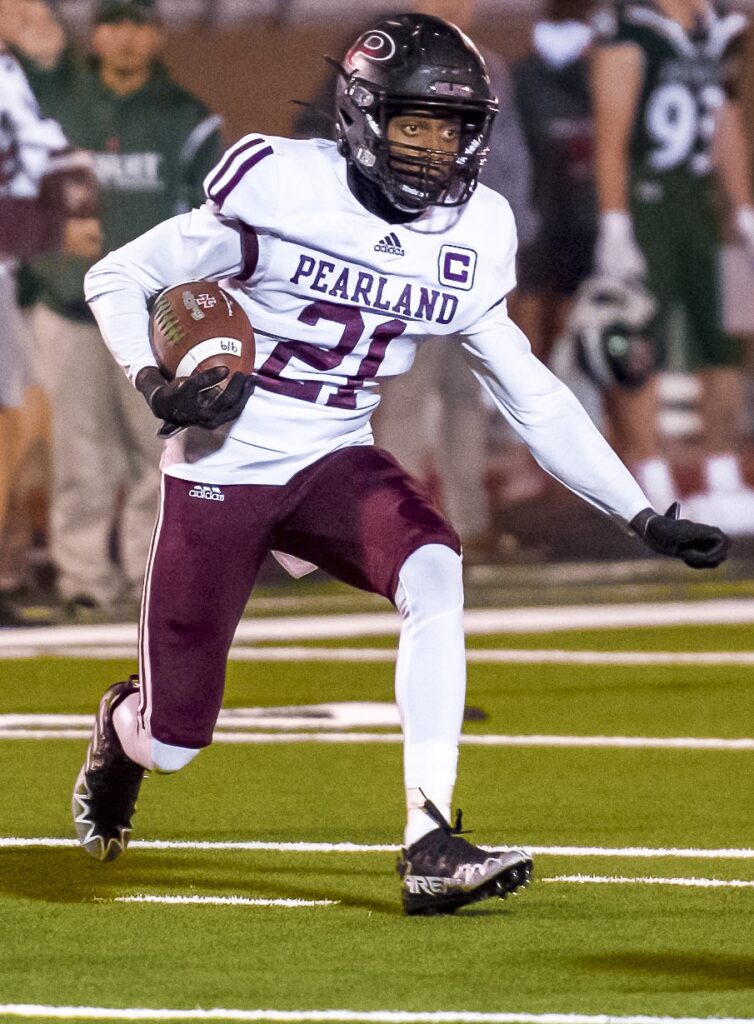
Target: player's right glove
(700, 546)
(194, 401)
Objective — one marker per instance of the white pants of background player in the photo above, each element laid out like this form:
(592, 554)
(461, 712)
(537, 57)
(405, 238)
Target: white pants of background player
(105, 457)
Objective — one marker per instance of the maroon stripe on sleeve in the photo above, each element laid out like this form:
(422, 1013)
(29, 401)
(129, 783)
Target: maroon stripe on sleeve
(245, 167)
(227, 160)
(249, 251)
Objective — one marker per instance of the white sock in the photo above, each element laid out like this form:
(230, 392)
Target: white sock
(140, 745)
(430, 679)
(723, 472)
(418, 823)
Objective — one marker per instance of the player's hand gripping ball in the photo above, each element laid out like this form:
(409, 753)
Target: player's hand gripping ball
(204, 346)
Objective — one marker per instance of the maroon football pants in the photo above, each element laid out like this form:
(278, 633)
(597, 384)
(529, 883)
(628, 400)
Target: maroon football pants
(355, 513)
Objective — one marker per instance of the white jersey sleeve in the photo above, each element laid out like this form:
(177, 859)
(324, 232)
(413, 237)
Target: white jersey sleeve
(547, 416)
(196, 245)
(212, 243)
(245, 184)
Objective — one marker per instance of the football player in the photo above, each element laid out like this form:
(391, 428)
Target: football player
(293, 229)
(668, 131)
(47, 204)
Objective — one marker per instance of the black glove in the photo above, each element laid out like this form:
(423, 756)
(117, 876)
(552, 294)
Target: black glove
(701, 547)
(194, 401)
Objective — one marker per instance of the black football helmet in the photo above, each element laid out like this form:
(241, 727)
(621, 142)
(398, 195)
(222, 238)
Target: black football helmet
(611, 325)
(414, 64)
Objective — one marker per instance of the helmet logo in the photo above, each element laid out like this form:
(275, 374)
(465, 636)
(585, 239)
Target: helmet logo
(374, 45)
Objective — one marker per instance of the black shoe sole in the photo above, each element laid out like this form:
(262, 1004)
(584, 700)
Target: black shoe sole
(506, 883)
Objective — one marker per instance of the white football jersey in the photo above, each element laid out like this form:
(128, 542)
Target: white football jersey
(27, 139)
(339, 299)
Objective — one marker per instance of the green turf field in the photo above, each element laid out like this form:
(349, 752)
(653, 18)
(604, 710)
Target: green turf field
(71, 937)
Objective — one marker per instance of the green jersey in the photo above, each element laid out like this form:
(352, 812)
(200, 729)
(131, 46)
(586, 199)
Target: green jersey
(687, 76)
(151, 150)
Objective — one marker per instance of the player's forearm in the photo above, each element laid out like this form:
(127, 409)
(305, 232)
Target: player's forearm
(550, 420)
(119, 305)
(731, 154)
(189, 247)
(612, 178)
(616, 75)
(570, 448)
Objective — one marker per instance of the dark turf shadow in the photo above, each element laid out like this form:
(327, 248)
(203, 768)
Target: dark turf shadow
(688, 971)
(70, 876)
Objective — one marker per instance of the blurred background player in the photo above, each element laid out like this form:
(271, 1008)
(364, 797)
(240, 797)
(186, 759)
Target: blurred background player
(47, 197)
(152, 144)
(668, 124)
(434, 419)
(552, 98)
(551, 93)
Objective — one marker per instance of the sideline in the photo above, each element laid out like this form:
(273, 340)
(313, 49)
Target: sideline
(477, 622)
(36, 727)
(28, 1010)
(504, 656)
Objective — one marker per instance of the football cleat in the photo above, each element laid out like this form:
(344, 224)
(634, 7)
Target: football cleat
(104, 797)
(442, 871)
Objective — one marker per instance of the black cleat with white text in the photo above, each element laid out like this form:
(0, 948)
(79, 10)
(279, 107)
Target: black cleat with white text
(442, 871)
(104, 797)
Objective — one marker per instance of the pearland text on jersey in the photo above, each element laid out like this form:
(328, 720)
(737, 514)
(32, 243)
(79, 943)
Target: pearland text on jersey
(374, 291)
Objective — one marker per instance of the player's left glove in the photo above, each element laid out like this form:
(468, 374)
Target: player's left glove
(700, 546)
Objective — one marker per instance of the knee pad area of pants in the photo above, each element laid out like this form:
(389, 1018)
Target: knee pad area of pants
(168, 759)
(430, 583)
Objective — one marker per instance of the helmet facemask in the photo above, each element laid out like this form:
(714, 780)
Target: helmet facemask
(413, 177)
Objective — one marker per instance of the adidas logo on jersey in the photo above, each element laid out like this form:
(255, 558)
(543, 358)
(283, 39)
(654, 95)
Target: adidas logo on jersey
(391, 245)
(208, 493)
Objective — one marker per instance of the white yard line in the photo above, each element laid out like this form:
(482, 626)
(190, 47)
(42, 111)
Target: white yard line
(294, 903)
(227, 901)
(387, 655)
(477, 621)
(471, 740)
(690, 853)
(692, 883)
(25, 1010)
